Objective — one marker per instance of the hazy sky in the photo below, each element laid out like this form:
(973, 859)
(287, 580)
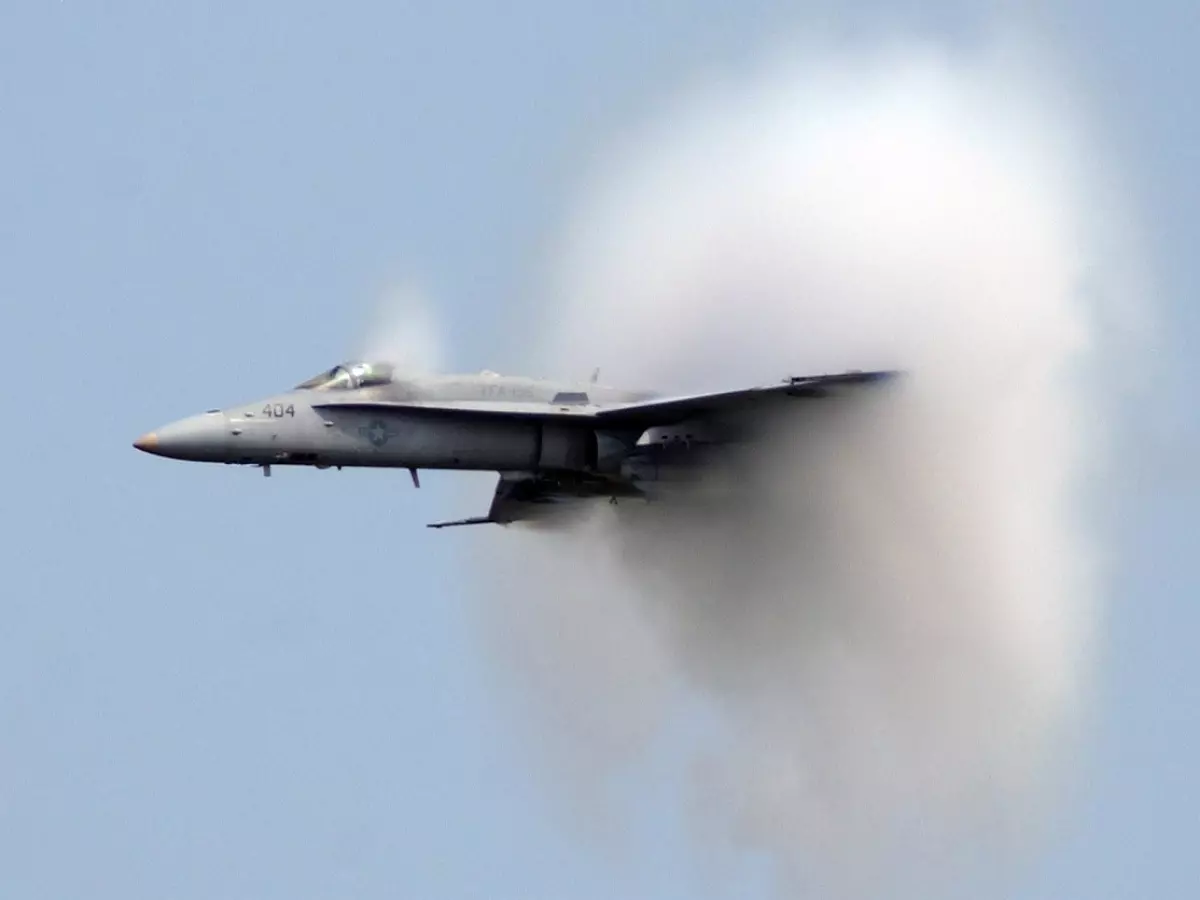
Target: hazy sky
(213, 685)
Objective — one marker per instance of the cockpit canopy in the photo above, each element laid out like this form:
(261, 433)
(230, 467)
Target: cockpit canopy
(349, 376)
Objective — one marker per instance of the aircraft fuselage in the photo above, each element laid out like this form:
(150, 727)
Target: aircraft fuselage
(355, 427)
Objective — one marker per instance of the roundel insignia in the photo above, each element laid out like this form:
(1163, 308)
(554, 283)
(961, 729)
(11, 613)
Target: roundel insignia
(378, 432)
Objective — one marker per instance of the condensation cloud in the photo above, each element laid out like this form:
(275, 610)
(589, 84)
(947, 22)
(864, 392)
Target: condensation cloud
(868, 660)
(404, 331)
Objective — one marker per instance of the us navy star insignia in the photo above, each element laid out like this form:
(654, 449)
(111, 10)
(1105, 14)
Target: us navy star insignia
(377, 432)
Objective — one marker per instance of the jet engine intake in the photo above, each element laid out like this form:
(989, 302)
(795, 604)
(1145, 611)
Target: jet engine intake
(563, 446)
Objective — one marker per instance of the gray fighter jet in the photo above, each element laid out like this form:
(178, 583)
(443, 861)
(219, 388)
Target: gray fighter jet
(554, 444)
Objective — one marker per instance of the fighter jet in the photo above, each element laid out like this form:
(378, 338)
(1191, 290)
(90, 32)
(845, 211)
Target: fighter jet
(553, 444)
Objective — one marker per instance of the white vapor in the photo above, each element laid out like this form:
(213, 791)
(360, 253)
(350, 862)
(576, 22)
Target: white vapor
(871, 663)
(404, 332)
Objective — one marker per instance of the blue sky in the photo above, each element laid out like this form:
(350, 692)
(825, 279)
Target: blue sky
(215, 685)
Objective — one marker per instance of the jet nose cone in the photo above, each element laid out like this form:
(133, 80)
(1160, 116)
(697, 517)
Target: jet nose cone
(200, 438)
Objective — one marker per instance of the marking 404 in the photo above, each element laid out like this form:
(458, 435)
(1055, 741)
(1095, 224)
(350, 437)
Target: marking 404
(278, 410)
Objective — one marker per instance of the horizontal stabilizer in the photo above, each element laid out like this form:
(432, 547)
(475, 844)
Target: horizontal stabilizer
(474, 520)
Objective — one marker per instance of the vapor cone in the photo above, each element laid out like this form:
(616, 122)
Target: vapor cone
(870, 656)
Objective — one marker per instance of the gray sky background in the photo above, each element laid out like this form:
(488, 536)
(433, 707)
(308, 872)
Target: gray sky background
(213, 685)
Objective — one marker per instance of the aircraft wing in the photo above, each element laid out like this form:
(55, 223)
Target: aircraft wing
(525, 496)
(642, 414)
(669, 410)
